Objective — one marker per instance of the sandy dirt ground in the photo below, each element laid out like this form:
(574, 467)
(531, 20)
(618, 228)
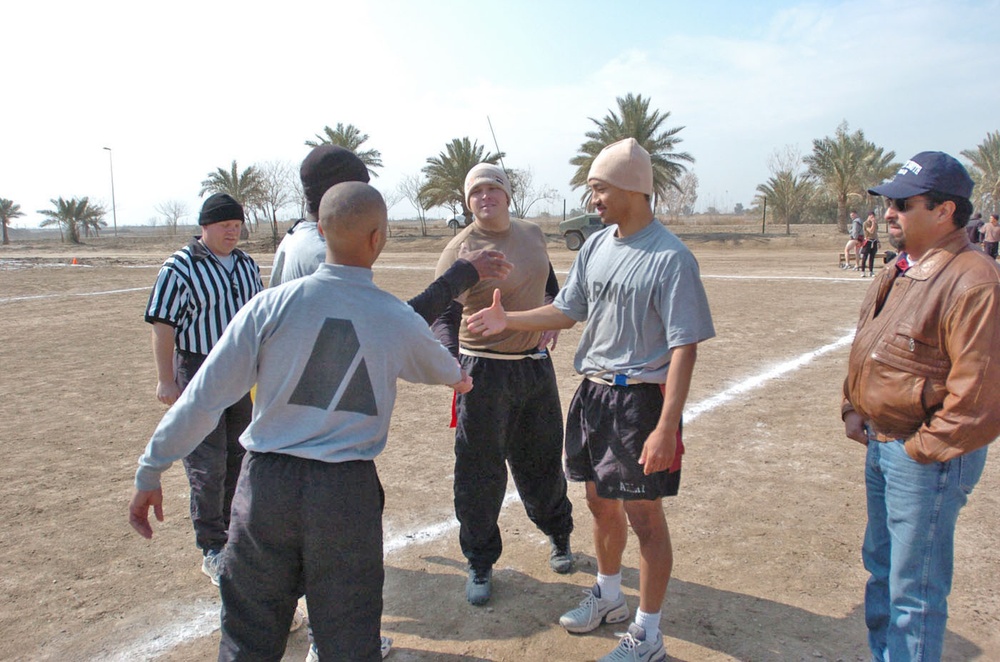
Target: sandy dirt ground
(766, 530)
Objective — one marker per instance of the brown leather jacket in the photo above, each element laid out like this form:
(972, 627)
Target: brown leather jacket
(926, 367)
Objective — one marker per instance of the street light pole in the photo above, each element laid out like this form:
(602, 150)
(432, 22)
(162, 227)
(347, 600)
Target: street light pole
(114, 211)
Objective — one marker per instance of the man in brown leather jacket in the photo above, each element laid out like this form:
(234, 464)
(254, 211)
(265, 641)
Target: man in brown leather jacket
(923, 370)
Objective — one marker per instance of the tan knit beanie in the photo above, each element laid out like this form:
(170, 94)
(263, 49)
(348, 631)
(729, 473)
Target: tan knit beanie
(486, 173)
(625, 165)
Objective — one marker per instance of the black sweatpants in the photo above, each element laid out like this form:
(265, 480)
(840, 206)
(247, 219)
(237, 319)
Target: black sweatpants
(213, 467)
(512, 416)
(303, 527)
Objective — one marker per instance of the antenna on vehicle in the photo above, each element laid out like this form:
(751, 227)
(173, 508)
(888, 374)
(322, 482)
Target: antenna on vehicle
(497, 145)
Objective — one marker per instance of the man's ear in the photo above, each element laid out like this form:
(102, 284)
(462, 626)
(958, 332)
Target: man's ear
(946, 211)
(319, 229)
(375, 240)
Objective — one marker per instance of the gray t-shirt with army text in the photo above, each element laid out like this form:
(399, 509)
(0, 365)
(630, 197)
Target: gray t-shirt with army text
(641, 296)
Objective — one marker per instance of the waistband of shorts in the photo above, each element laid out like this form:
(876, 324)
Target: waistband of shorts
(613, 380)
(535, 354)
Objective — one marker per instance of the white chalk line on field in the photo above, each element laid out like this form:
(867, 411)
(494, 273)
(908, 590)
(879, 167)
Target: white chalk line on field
(71, 294)
(204, 623)
(403, 267)
(751, 383)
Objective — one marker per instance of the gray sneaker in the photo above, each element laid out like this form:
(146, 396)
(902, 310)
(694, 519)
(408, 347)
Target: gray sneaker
(479, 586)
(633, 647)
(593, 611)
(561, 556)
(210, 565)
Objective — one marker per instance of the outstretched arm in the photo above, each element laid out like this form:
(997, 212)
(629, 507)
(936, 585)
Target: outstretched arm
(467, 270)
(491, 321)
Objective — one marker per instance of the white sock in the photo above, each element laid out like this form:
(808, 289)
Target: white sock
(610, 585)
(648, 622)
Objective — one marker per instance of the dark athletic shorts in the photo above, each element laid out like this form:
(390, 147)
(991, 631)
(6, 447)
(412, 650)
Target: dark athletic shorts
(605, 431)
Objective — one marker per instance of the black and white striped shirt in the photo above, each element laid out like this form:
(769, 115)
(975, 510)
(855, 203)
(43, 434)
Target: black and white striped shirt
(198, 296)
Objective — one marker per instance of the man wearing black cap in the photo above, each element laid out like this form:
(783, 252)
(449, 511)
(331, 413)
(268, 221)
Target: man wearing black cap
(198, 291)
(303, 248)
(919, 393)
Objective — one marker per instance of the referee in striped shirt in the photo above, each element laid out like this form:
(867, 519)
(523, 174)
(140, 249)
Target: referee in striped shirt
(198, 291)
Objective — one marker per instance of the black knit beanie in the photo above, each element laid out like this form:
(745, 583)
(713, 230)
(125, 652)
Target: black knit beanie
(220, 207)
(326, 166)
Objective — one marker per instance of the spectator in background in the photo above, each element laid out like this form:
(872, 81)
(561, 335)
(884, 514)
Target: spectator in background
(974, 229)
(870, 247)
(991, 236)
(853, 246)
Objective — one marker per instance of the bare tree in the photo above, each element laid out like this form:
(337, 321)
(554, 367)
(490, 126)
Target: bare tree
(392, 198)
(786, 159)
(679, 200)
(524, 192)
(172, 212)
(276, 191)
(410, 188)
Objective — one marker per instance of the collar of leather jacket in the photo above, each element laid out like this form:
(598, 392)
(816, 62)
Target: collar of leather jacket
(939, 255)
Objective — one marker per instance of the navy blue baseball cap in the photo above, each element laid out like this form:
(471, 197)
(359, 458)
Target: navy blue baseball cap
(928, 171)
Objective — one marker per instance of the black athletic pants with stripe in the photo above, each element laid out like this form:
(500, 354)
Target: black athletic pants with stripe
(511, 416)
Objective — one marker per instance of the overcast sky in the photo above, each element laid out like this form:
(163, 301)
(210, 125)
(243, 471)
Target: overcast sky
(181, 88)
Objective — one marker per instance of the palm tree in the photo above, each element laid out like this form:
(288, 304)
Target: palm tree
(246, 187)
(349, 137)
(91, 217)
(8, 212)
(985, 171)
(847, 165)
(445, 185)
(243, 186)
(788, 195)
(73, 214)
(633, 120)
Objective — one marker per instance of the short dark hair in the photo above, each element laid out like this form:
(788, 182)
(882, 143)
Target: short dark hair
(963, 207)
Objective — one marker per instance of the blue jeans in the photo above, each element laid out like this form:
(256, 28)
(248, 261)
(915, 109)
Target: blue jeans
(909, 548)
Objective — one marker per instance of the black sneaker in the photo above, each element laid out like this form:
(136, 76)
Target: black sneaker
(479, 586)
(560, 557)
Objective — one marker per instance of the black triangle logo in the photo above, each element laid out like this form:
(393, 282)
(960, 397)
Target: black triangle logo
(334, 352)
(359, 396)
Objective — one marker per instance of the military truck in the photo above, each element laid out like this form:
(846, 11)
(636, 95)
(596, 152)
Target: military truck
(576, 230)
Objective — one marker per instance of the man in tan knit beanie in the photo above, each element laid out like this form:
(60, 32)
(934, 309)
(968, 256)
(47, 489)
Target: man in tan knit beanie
(638, 288)
(515, 418)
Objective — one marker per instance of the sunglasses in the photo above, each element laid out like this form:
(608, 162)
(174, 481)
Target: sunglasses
(902, 205)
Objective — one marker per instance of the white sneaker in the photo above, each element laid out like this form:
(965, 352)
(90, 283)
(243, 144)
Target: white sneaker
(210, 565)
(386, 645)
(593, 611)
(633, 647)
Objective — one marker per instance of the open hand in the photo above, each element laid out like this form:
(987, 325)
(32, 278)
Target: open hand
(489, 264)
(548, 340)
